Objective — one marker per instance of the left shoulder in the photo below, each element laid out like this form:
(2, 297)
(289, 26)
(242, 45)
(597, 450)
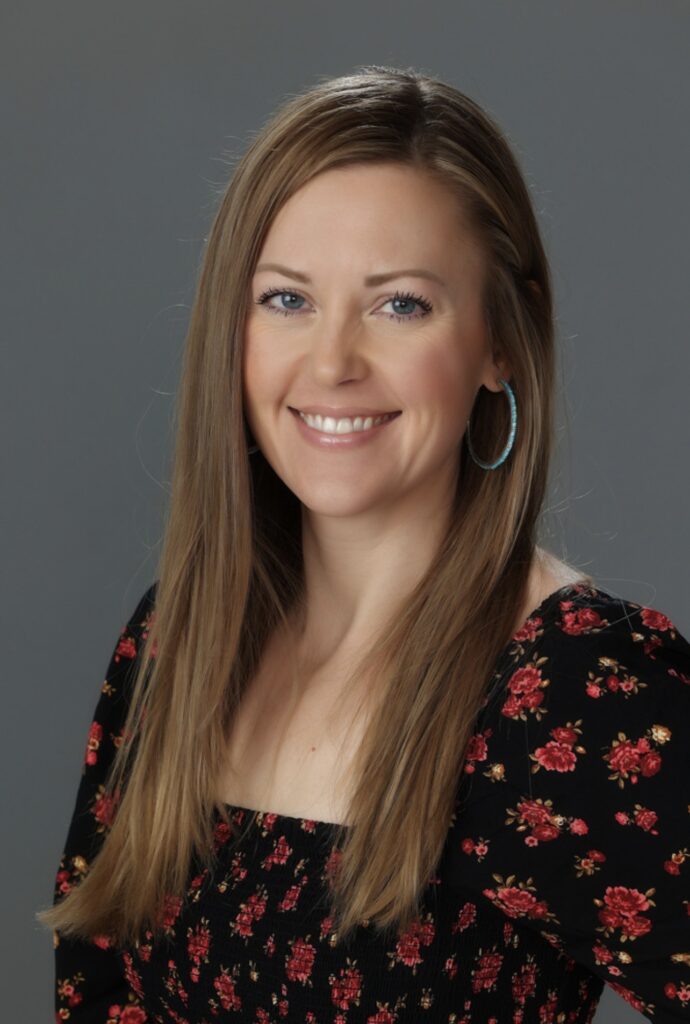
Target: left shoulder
(595, 653)
(593, 691)
(589, 616)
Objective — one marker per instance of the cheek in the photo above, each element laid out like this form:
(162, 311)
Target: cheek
(261, 378)
(444, 383)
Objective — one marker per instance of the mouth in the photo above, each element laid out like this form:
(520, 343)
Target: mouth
(353, 423)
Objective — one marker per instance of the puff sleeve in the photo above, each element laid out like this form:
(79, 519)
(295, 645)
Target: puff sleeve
(576, 823)
(90, 981)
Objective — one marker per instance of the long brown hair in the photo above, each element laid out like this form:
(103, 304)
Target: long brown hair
(231, 569)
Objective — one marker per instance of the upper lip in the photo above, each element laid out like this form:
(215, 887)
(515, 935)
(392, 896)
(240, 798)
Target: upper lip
(346, 411)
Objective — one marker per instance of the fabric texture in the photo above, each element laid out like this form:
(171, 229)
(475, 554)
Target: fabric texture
(566, 865)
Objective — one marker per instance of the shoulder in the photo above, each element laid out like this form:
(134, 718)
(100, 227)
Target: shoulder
(592, 691)
(594, 652)
(115, 692)
(133, 633)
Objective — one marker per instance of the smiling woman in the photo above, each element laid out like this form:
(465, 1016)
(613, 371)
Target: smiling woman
(358, 683)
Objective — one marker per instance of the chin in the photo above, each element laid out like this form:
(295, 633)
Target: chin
(336, 501)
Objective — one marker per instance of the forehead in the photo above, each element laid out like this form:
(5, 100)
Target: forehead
(376, 214)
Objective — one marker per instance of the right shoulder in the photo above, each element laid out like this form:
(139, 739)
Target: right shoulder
(116, 688)
(133, 633)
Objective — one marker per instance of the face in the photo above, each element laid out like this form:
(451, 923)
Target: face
(326, 332)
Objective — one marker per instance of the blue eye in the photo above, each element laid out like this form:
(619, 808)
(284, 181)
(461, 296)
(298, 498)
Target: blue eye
(263, 300)
(404, 298)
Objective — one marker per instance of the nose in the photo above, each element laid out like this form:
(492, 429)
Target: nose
(336, 353)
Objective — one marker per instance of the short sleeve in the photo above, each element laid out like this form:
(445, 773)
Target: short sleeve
(90, 985)
(576, 824)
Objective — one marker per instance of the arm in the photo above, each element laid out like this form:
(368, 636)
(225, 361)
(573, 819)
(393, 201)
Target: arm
(90, 985)
(582, 831)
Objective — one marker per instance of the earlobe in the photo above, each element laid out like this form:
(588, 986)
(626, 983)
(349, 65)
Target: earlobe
(499, 371)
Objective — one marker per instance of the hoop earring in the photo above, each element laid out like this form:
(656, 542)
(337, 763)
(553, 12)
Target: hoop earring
(254, 448)
(511, 438)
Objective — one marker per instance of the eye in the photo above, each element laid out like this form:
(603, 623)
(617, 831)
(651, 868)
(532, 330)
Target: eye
(406, 299)
(263, 300)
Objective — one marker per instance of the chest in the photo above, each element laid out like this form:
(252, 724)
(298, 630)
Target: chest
(290, 755)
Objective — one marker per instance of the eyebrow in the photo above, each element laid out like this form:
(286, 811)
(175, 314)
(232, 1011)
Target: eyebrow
(371, 281)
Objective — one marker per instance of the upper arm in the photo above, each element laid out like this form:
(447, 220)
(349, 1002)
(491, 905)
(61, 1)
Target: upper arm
(89, 978)
(577, 821)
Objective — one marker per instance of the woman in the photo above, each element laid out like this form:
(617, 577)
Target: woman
(365, 751)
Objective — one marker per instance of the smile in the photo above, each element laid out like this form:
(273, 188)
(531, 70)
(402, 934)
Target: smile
(346, 425)
(330, 434)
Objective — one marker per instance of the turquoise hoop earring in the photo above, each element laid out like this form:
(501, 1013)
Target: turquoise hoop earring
(511, 438)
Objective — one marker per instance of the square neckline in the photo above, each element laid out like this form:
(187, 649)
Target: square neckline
(295, 821)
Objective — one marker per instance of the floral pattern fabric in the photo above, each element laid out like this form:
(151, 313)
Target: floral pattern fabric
(565, 869)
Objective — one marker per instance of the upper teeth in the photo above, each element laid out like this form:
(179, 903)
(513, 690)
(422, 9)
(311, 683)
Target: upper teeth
(329, 425)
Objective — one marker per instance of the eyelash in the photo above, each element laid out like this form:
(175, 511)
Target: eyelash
(402, 296)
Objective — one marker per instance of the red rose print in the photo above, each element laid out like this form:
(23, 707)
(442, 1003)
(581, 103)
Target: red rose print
(646, 819)
(525, 680)
(582, 621)
(628, 760)
(289, 900)
(555, 757)
(650, 764)
(103, 808)
(346, 988)
(526, 692)
(221, 834)
(657, 620)
(171, 910)
(198, 942)
(126, 648)
(133, 1015)
(519, 901)
(544, 833)
(250, 911)
(534, 812)
(332, 863)
(524, 984)
(622, 909)
(225, 987)
(476, 750)
(93, 743)
(279, 855)
(485, 972)
(132, 977)
(578, 827)
(300, 962)
(466, 917)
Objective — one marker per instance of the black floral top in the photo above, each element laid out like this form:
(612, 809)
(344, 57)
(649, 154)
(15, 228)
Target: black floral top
(567, 864)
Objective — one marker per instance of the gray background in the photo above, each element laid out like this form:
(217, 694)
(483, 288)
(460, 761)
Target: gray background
(117, 123)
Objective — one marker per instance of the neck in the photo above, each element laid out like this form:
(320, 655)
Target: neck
(357, 569)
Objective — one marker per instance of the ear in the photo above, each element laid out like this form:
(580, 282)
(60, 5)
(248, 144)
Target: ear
(497, 370)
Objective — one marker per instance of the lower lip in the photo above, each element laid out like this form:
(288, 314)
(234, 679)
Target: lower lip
(338, 442)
